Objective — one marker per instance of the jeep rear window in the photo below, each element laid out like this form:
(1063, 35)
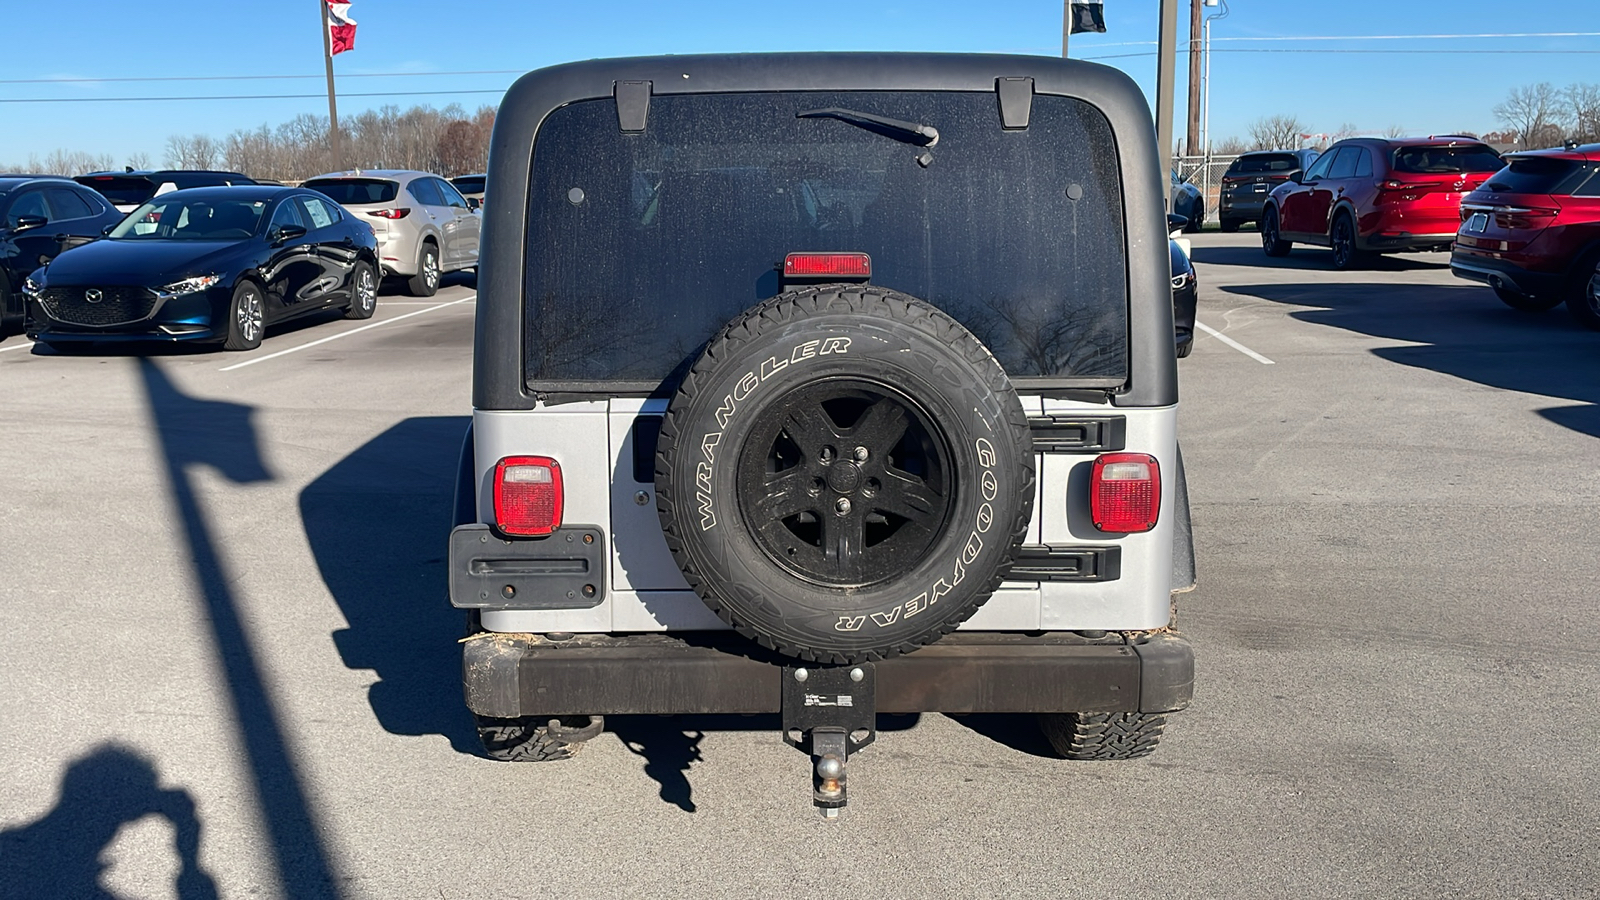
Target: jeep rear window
(354, 191)
(1267, 162)
(641, 246)
(1540, 175)
(1438, 158)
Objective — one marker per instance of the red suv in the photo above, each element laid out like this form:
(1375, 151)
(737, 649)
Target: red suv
(1371, 195)
(1532, 232)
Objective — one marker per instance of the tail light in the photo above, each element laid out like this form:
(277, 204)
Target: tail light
(1230, 179)
(1392, 185)
(398, 212)
(527, 495)
(1511, 218)
(1125, 492)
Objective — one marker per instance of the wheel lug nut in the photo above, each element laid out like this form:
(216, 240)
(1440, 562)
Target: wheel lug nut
(861, 454)
(842, 506)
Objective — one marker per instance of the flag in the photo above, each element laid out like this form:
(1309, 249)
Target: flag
(1088, 15)
(342, 28)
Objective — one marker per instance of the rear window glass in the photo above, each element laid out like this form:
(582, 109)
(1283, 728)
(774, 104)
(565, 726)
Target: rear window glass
(1540, 175)
(1444, 159)
(468, 185)
(355, 191)
(1265, 163)
(641, 246)
(121, 190)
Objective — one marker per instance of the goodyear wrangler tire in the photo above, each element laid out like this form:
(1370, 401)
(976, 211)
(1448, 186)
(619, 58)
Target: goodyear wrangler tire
(844, 474)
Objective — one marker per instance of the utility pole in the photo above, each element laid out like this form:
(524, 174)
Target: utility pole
(1066, 25)
(1166, 74)
(1191, 142)
(333, 108)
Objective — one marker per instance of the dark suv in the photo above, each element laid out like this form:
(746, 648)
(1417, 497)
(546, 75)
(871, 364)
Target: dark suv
(1251, 177)
(1532, 232)
(823, 385)
(1372, 195)
(129, 189)
(40, 216)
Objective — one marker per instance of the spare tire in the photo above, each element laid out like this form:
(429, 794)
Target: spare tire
(844, 474)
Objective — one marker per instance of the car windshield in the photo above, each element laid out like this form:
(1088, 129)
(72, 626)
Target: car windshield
(211, 219)
(121, 190)
(1265, 163)
(641, 246)
(1426, 159)
(468, 185)
(355, 191)
(1540, 175)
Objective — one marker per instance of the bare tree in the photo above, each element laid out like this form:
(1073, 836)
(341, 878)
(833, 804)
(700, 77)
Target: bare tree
(1583, 103)
(1280, 132)
(178, 152)
(138, 160)
(1231, 146)
(1395, 131)
(1534, 112)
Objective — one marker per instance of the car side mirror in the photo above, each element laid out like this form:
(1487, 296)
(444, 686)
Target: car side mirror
(1297, 176)
(26, 222)
(474, 203)
(106, 230)
(1176, 223)
(287, 233)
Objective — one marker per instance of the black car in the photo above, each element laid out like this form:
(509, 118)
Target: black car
(41, 215)
(207, 264)
(129, 188)
(1185, 297)
(1251, 177)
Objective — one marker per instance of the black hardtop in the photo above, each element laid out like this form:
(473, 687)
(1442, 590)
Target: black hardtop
(160, 175)
(498, 378)
(230, 192)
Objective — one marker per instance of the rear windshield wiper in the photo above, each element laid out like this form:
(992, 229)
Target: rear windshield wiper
(904, 132)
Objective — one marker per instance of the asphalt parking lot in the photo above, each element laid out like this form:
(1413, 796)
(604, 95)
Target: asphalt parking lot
(231, 669)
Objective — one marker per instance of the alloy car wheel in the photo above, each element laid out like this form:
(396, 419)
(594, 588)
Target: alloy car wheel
(426, 282)
(1343, 240)
(363, 293)
(247, 318)
(1584, 303)
(1270, 244)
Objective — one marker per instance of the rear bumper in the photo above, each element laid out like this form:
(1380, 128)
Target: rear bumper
(1402, 241)
(1243, 207)
(684, 673)
(1505, 275)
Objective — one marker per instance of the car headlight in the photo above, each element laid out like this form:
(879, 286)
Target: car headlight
(188, 285)
(30, 287)
(1181, 280)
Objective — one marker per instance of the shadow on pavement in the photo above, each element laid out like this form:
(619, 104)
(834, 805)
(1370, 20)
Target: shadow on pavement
(1466, 333)
(1019, 731)
(379, 523)
(59, 854)
(220, 435)
(1316, 259)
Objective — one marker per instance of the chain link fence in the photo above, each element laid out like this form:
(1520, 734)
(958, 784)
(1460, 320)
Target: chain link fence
(1205, 173)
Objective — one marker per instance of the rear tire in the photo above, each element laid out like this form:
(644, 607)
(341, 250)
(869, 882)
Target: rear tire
(1198, 220)
(1229, 226)
(1583, 294)
(426, 282)
(1094, 736)
(1526, 302)
(1270, 243)
(1342, 239)
(527, 739)
(363, 292)
(247, 318)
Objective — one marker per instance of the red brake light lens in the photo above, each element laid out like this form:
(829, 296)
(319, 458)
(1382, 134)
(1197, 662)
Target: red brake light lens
(527, 495)
(1125, 492)
(396, 213)
(828, 265)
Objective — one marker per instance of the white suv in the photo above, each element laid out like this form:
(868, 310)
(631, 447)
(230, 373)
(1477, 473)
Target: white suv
(424, 226)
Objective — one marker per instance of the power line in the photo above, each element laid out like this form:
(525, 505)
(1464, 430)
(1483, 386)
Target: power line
(1379, 37)
(240, 97)
(87, 80)
(1348, 50)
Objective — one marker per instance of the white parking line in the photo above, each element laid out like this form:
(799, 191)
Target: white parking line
(335, 337)
(23, 346)
(1234, 344)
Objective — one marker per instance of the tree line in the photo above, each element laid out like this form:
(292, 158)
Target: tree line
(447, 141)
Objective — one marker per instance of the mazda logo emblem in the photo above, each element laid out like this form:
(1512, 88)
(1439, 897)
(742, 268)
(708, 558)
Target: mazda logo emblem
(93, 295)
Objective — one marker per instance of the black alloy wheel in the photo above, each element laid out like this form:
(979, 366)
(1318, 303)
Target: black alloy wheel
(1584, 300)
(1343, 240)
(1270, 244)
(848, 484)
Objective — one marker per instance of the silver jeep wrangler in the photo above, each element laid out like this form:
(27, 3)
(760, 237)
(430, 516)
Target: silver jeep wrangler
(823, 385)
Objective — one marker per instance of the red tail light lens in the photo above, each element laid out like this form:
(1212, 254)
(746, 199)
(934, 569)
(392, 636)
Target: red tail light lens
(1514, 219)
(396, 213)
(1125, 492)
(828, 265)
(527, 495)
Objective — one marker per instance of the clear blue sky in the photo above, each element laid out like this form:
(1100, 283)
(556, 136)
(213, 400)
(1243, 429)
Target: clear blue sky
(1432, 92)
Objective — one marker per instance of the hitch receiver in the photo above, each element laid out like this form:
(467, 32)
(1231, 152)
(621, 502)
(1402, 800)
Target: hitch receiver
(829, 712)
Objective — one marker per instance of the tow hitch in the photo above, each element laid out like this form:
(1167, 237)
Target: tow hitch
(829, 712)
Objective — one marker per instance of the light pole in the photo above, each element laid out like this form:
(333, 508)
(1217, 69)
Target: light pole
(1205, 103)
